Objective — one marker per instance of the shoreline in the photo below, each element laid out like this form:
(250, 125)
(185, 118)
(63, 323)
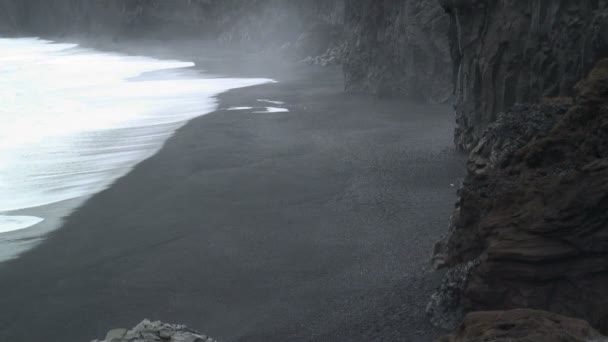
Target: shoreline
(28, 223)
(19, 241)
(313, 182)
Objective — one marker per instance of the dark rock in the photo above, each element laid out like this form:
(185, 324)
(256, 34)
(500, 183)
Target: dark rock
(317, 40)
(398, 47)
(332, 56)
(508, 52)
(533, 210)
(511, 131)
(444, 309)
(523, 326)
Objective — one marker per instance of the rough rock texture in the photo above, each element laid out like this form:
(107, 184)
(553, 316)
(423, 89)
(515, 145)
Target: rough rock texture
(533, 210)
(332, 56)
(445, 309)
(523, 326)
(398, 47)
(511, 51)
(148, 331)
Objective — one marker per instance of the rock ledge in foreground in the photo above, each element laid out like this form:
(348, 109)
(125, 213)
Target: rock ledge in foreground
(148, 331)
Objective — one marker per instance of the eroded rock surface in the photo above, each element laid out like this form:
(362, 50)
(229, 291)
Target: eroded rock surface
(148, 331)
(398, 47)
(533, 212)
(508, 52)
(523, 326)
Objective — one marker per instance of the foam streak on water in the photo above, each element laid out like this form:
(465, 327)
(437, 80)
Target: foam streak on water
(73, 120)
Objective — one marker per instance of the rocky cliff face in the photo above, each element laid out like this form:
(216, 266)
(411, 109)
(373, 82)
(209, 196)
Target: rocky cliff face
(531, 226)
(398, 47)
(510, 51)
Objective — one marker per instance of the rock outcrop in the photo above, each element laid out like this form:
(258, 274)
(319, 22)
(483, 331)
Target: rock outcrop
(398, 47)
(523, 326)
(148, 331)
(508, 52)
(533, 213)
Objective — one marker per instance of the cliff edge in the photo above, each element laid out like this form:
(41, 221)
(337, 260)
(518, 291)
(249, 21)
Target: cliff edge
(507, 52)
(530, 229)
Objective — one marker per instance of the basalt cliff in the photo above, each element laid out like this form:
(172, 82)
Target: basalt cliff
(399, 48)
(531, 96)
(507, 52)
(530, 229)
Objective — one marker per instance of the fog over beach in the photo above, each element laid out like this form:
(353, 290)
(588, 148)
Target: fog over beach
(303, 170)
(73, 120)
(282, 206)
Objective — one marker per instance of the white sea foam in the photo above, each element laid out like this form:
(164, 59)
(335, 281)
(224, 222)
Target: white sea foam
(13, 223)
(273, 110)
(239, 108)
(271, 101)
(261, 109)
(72, 120)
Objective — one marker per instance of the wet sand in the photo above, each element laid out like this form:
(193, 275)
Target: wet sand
(316, 224)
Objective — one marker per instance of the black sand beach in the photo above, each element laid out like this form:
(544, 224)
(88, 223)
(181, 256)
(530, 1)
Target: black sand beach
(312, 225)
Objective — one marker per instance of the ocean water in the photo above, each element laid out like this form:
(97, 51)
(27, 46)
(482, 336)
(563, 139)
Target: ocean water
(73, 120)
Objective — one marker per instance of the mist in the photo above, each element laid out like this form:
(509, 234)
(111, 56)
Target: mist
(317, 170)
